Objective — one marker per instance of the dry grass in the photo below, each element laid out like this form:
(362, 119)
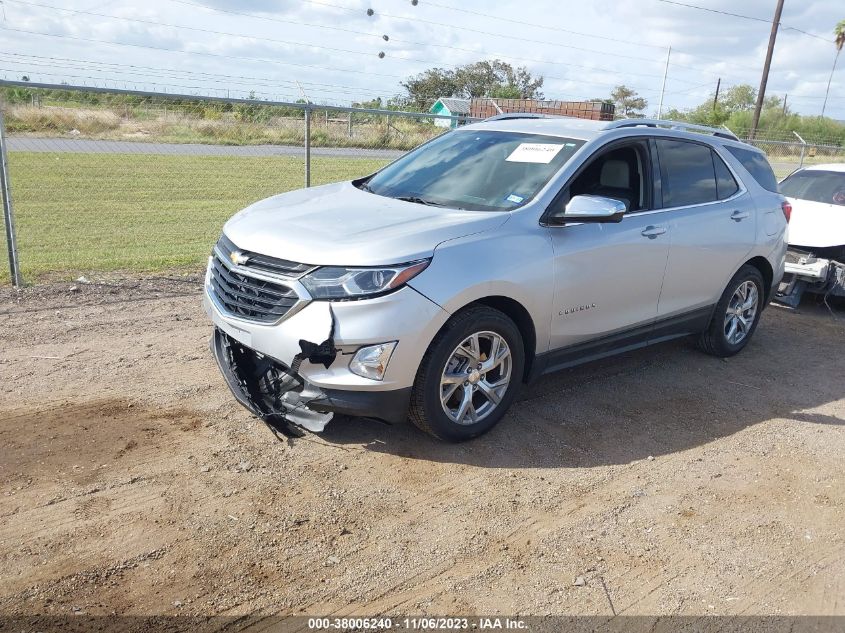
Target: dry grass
(213, 127)
(61, 120)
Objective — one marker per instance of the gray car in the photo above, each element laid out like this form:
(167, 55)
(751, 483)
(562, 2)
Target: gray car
(485, 258)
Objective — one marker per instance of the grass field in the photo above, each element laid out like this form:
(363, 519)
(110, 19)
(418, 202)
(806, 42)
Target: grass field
(83, 214)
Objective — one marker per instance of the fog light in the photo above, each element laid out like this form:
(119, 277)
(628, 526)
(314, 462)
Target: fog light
(371, 361)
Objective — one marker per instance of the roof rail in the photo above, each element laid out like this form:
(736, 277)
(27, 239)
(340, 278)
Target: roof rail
(521, 115)
(674, 125)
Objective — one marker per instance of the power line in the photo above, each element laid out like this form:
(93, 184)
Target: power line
(279, 20)
(190, 28)
(147, 71)
(744, 17)
(157, 83)
(468, 50)
(522, 39)
(211, 76)
(429, 44)
(203, 53)
(538, 26)
(288, 42)
(735, 15)
(275, 61)
(155, 80)
(565, 79)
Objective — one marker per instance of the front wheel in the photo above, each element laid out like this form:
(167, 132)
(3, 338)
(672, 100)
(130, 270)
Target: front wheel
(469, 375)
(736, 315)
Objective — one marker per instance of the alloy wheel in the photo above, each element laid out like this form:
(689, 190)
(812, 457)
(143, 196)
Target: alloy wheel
(475, 377)
(742, 308)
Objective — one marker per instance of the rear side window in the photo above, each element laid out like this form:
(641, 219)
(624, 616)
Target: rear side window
(725, 182)
(757, 166)
(687, 173)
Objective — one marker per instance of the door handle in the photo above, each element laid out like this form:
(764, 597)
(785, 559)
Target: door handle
(651, 232)
(739, 216)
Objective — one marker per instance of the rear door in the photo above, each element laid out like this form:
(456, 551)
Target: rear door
(711, 219)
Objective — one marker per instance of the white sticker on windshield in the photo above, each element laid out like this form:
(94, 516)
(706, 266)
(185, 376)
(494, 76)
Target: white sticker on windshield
(534, 153)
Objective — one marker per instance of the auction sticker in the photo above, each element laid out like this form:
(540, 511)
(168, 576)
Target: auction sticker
(534, 153)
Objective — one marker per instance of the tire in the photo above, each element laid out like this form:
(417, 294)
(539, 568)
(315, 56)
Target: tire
(448, 360)
(717, 339)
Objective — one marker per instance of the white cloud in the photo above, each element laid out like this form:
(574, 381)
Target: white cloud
(627, 44)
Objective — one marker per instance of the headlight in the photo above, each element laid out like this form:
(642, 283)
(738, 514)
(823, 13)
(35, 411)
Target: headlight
(332, 282)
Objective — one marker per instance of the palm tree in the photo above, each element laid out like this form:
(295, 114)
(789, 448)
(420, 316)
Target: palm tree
(839, 42)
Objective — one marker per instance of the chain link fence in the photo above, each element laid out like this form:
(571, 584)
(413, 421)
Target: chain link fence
(109, 184)
(112, 183)
(787, 151)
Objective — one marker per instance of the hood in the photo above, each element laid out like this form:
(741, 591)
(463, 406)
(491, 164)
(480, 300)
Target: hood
(816, 224)
(341, 225)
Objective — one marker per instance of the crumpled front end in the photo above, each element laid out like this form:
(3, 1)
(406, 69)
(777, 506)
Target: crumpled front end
(289, 358)
(267, 388)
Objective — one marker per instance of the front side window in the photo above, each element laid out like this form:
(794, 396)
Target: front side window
(687, 173)
(480, 170)
(619, 174)
(816, 185)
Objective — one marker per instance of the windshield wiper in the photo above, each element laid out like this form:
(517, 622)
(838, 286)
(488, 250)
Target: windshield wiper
(418, 200)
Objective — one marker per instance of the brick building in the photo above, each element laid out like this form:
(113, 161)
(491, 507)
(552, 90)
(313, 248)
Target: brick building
(484, 107)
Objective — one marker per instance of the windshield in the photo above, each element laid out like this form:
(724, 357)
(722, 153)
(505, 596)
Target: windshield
(816, 185)
(475, 170)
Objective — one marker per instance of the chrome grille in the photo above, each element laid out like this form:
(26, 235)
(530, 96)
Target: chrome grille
(259, 262)
(250, 298)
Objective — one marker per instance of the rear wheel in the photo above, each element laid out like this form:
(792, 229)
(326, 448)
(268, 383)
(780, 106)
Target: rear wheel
(736, 315)
(469, 375)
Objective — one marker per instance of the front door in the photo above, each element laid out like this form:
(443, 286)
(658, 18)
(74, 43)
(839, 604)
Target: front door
(608, 276)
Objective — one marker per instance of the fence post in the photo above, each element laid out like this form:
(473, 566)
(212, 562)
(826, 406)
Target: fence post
(8, 217)
(803, 148)
(307, 145)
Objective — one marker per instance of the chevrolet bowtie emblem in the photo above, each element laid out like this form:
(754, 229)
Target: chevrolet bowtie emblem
(238, 258)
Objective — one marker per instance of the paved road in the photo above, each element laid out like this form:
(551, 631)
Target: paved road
(87, 146)
(783, 168)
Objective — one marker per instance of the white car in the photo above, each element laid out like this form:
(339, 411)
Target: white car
(816, 258)
(817, 195)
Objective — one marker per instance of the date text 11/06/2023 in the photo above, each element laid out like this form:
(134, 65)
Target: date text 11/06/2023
(417, 624)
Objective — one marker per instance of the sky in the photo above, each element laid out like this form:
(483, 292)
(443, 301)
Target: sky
(329, 50)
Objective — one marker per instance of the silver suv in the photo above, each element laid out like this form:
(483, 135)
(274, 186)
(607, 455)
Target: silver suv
(487, 257)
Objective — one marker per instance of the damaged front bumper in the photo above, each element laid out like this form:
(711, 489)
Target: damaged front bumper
(278, 395)
(804, 272)
(296, 369)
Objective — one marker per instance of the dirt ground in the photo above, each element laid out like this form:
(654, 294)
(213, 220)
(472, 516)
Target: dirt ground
(669, 481)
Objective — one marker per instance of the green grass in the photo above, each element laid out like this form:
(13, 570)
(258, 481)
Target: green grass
(94, 213)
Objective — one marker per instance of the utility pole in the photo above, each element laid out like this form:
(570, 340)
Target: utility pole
(761, 94)
(785, 95)
(829, 79)
(663, 87)
(716, 98)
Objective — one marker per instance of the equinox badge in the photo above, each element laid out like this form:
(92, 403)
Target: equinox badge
(575, 309)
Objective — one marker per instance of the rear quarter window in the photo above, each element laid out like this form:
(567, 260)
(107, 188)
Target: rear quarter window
(756, 165)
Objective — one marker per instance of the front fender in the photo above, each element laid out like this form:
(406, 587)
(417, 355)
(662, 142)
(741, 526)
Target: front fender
(516, 264)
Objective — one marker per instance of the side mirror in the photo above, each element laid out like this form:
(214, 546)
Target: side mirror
(587, 208)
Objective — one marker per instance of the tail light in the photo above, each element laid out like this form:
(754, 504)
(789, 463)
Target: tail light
(787, 210)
